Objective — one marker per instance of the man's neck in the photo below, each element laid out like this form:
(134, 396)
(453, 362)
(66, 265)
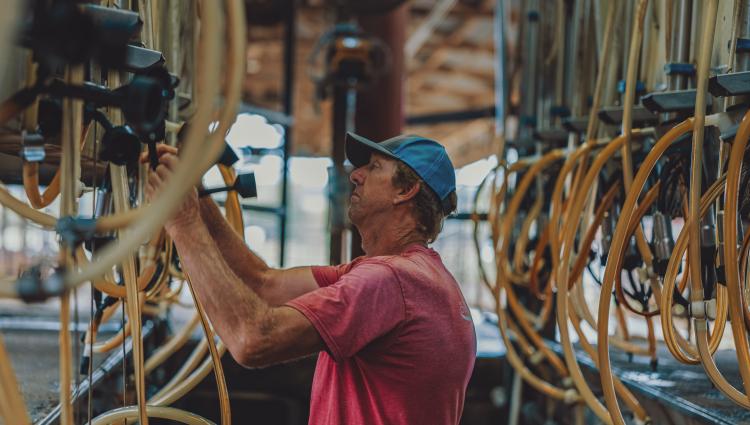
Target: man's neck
(390, 236)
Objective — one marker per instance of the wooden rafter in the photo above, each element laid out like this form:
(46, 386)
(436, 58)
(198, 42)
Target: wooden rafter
(418, 38)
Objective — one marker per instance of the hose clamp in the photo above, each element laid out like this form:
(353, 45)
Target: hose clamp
(703, 310)
(32, 149)
(536, 358)
(74, 230)
(571, 396)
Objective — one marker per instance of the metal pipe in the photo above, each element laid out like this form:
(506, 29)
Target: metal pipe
(573, 46)
(501, 83)
(743, 59)
(627, 30)
(681, 42)
(289, 62)
(337, 175)
(530, 73)
(515, 400)
(609, 94)
(380, 107)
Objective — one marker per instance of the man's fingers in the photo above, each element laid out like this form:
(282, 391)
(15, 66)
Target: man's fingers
(154, 180)
(149, 191)
(163, 172)
(161, 149)
(157, 178)
(170, 161)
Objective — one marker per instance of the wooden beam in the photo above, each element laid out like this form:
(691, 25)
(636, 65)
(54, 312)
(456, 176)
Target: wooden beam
(480, 64)
(453, 39)
(465, 142)
(433, 101)
(451, 82)
(418, 38)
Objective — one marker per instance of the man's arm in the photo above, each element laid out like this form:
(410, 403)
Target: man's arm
(255, 333)
(275, 286)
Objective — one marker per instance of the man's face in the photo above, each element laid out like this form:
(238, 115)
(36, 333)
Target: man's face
(373, 188)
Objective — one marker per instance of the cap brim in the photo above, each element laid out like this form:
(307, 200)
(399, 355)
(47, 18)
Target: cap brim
(359, 149)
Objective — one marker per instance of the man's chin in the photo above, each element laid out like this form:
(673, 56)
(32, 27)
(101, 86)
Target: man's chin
(353, 218)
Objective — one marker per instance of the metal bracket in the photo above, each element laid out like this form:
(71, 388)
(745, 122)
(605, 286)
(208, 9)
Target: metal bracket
(32, 287)
(640, 86)
(536, 358)
(676, 68)
(703, 309)
(32, 149)
(672, 101)
(642, 117)
(571, 396)
(734, 84)
(74, 230)
(743, 45)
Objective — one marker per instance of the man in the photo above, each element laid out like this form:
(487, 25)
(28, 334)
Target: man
(395, 337)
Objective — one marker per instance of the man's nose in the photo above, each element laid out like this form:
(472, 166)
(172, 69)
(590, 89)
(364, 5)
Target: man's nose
(357, 176)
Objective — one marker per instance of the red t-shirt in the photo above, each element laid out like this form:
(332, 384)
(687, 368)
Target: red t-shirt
(399, 337)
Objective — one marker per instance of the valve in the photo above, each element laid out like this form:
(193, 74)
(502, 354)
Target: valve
(143, 100)
(74, 230)
(120, 144)
(244, 185)
(33, 287)
(228, 156)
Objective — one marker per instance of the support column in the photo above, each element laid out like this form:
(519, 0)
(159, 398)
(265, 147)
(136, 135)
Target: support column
(380, 108)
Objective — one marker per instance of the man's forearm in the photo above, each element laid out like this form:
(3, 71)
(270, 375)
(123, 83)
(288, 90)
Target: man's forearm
(236, 311)
(275, 287)
(256, 333)
(243, 262)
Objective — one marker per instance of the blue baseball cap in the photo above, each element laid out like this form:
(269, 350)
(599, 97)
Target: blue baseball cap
(426, 157)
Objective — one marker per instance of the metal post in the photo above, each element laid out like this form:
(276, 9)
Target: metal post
(743, 59)
(515, 400)
(501, 83)
(530, 72)
(380, 109)
(338, 174)
(289, 56)
(681, 42)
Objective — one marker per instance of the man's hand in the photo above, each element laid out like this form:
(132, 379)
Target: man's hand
(189, 212)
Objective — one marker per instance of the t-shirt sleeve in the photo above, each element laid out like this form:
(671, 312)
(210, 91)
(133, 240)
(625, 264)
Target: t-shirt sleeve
(326, 275)
(363, 305)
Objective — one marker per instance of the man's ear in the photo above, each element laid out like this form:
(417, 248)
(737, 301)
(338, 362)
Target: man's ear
(405, 195)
